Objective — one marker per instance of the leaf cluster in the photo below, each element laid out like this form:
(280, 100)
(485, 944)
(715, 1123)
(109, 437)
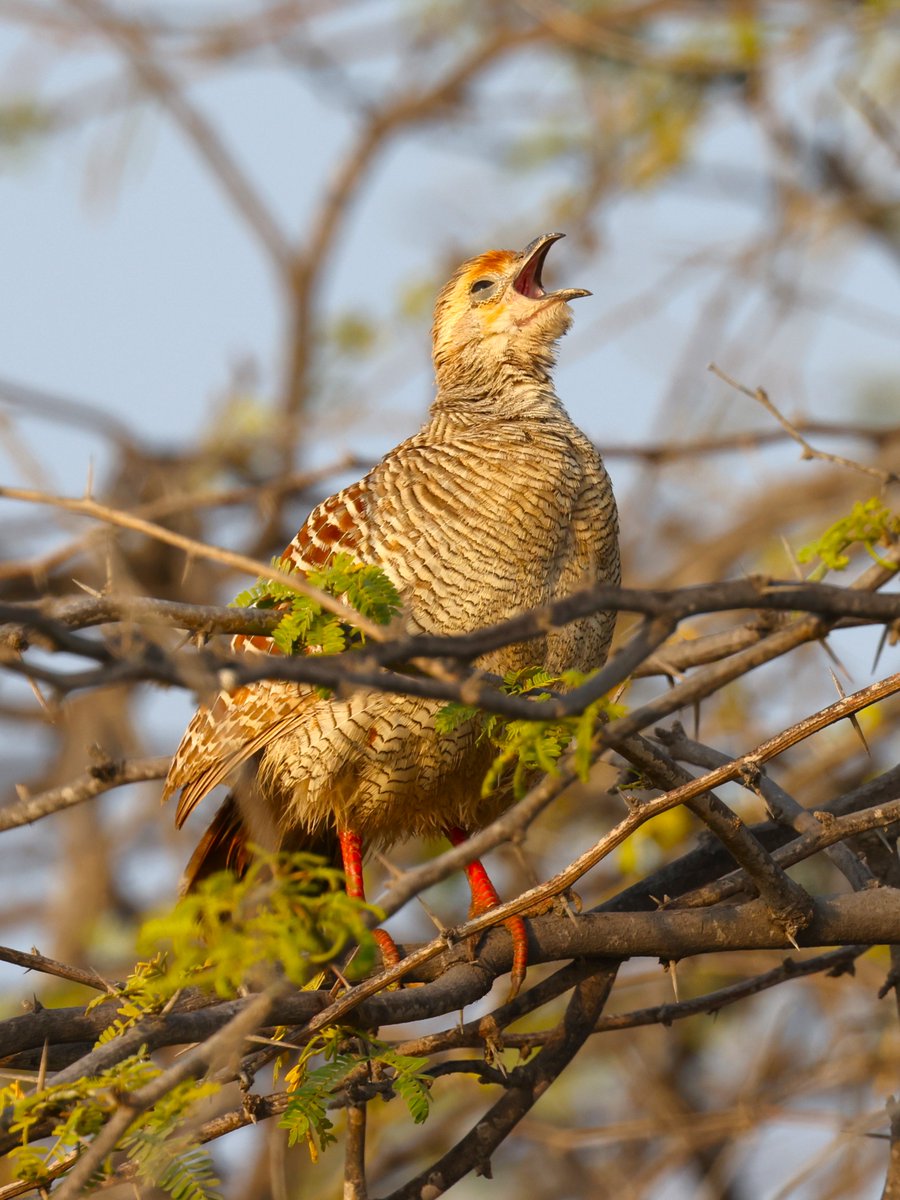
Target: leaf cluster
(314, 1090)
(869, 524)
(288, 909)
(525, 747)
(163, 1150)
(305, 627)
(162, 1157)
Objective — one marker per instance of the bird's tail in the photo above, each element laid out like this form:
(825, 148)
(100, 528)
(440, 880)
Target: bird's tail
(225, 846)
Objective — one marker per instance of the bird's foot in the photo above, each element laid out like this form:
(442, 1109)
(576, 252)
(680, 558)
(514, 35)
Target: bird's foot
(484, 898)
(390, 955)
(519, 935)
(352, 855)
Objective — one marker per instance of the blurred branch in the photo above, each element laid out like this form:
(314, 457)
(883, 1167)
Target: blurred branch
(36, 402)
(131, 39)
(261, 496)
(765, 593)
(809, 451)
(664, 453)
(892, 1182)
(49, 966)
(600, 34)
(409, 108)
(101, 777)
(881, 125)
(355, 1153)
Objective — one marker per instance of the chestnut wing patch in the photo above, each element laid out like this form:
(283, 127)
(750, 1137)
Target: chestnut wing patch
(241, 722)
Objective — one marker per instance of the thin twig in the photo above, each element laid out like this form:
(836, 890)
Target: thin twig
(789, 904)
(780, 804)
(50, 966)
(759, 394)
(523, 1088)
(360, 670)
(240, 562)
(98, 779)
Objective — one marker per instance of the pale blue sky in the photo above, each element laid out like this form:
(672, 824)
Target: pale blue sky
(140, 293)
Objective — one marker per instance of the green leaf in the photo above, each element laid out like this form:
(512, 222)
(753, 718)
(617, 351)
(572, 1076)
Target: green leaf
(452, 716)
(305, 1117)
(525, 747)
(290, 909)
(410, 1080)
(305, 626)
(870, 523)
(165, 1157)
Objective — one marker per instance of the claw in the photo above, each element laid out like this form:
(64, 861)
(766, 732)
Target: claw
(519, 935)
(390, 955)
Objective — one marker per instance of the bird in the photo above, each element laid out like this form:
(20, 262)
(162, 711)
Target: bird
(499, 504)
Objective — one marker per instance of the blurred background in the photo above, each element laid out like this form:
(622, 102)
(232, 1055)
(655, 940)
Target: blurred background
(222, 227)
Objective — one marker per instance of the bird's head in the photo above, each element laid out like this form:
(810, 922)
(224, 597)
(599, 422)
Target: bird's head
(494, 318)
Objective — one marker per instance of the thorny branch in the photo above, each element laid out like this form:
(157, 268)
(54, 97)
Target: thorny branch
(785, 914)
(99, 778)
(663, 611)
(102, 512)
(698, 903)
(790, 428)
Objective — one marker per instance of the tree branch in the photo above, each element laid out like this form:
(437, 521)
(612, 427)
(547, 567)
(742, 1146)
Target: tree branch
(524, 1087)
(99, 778)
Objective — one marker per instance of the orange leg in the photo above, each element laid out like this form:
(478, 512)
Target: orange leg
(484, 897)
(351, 853)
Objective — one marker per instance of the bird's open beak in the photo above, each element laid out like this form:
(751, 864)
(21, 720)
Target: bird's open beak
(527, 280)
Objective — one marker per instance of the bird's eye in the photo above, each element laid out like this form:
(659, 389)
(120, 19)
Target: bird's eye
(480, 284)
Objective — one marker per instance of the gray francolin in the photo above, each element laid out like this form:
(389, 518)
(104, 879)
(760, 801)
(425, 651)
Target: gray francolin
(497, 505)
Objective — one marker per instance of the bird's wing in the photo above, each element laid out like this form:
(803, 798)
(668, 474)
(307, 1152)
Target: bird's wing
(241, 722)
(226, 733)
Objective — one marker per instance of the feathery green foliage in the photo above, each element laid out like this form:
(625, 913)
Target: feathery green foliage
(526, 746)
(313, 1089)
(289, 912)
(135, 1001)
(408, 1079)
(288, 909)
(76, 1112)
(305, 626)
(306, 1117)
(869, 524)
(166, 1158)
